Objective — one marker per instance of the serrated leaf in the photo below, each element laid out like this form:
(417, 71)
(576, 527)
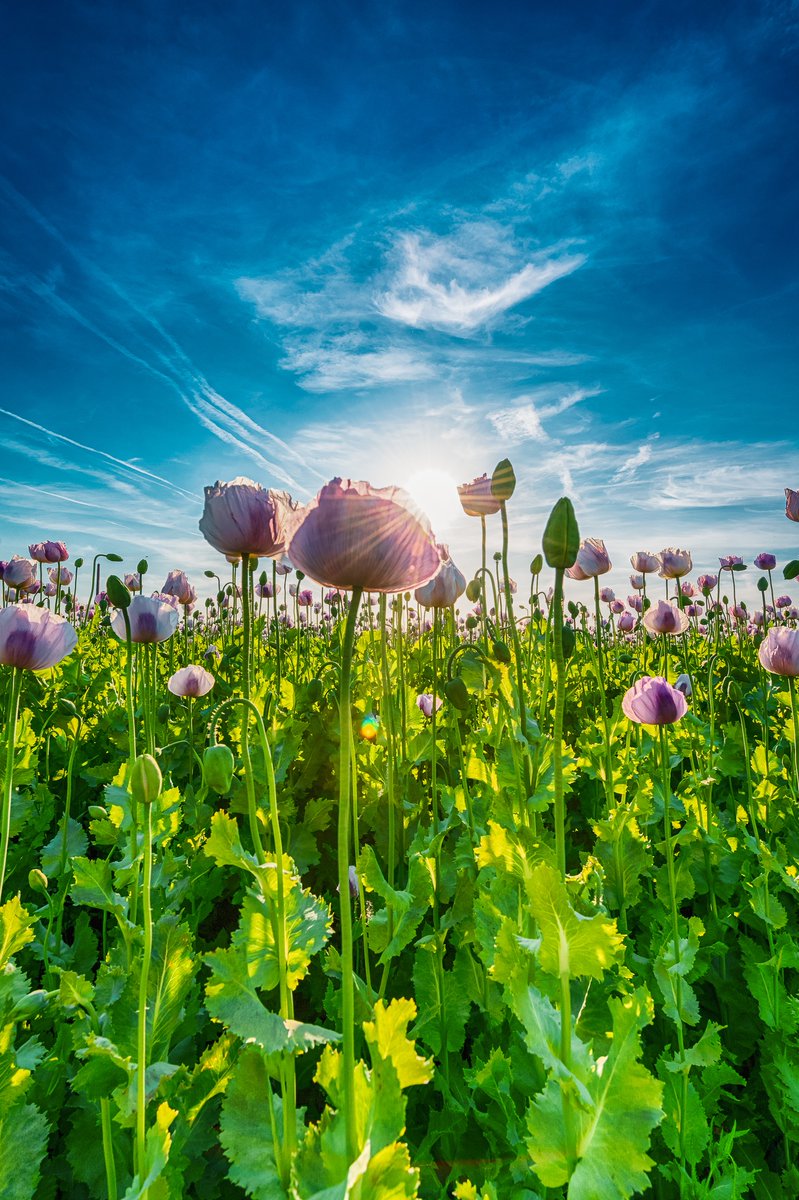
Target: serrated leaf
(74, 991)
(670, 968)
(308, 922)
(696, 1131)
(93, 885)
(387, 1037)
(15, 929)
(246, 1132)
(408, 906)
(156, 1152)
(571, 944)
(766, 905)
(232, 999)
(77, 844)
(610, 1136)
(170, 980)
(443, 1000)
(23, 1141)
(224, 845)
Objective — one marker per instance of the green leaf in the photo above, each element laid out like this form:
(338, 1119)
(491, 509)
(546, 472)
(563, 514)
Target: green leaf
(387, 1037)
(246, 1130)
(77, 843)
(624, 856)
(610, 1135)
(443, 999)
(93, 885)
(791, 569)
(74, 991)
(224, 845)
(23, 1141)
(15, 929)
(408, 906)
(308, 922)
(571, 944)
(156, 1152)
(232, 999)
(680, 1002)
(696, 1131)
(170, 980)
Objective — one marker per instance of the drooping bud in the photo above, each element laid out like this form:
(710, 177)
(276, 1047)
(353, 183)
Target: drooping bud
(473, 591)
(561, 540)
(456, 692)
(145, 779)
(501, 652)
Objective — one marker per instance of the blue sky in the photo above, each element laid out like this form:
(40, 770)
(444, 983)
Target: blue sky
(296, 241)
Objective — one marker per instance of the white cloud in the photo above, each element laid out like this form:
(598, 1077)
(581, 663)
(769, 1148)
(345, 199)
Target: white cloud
(524, 421)
(458, 284)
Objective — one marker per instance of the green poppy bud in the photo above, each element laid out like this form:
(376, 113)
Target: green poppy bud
(38, 881)
(97, 812)
(66, 707)
(537, 564)
(561, 539)
(569, 641)
(118, 594)
(145, 779)
(501, 652)
(142, 566)
(114, 557)
(503, 481)
(218, 766)
(762, 584)
(473, 591)
(78, 563)
(471, 622)
(314, 691)
(456, 692)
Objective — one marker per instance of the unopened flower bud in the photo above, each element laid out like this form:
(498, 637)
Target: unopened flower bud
(38, 881)
(145, 779)
(218, 767)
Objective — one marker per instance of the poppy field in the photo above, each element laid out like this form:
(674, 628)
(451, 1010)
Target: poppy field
(362, 880)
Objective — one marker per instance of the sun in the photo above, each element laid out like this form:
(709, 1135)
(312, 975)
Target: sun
(436, 493)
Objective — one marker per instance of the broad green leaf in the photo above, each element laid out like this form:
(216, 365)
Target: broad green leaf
(15, 929)
(609, 1137)
(766, 904)
(232, 999)
(542, 1032)
(224, 845)
(408, 906)
(246, 1132)
(443, 1000)
(571, 944)
(624, 856)
(696, 1131)
(387, 1037)
(23, 1141)
(93, 885)
(77, 843)
(170, 980)
(704, 1053)
(74, 991)
(680, 1002)
(308, 922)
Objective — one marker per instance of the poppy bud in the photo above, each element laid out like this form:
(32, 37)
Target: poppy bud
(97, 812)
(78, 563)
(537, 564)
(142, 566)
(501, 652)
(314, 691)
(473, 591)
(114, 557)
(568, 641)
(145, 779)
(561, 540)
(218, 766)
(762, 585)
(37, 881)
(118, 594)
(503, 480)
(456, 692)
(66, 707)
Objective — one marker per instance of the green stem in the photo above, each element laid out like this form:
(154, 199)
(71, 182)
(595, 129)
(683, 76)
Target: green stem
(12, 713)
(347, 983)
(666, 776)
(147, 953)
(557, 733)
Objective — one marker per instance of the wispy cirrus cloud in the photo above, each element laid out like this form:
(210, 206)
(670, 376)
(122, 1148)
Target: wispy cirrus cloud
(524, 420)
(463, 282)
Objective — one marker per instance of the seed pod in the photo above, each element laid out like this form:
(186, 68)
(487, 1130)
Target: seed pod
(66, 707)
(762, 584)
(145, 779)
(218, 767)
(314, 691)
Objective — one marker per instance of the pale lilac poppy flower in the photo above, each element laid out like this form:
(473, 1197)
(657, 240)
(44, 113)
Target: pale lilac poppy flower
(34, 638)
(592, 560)
(783, 602)
(666, 618)
(731, 562)
(424, 702)
(241, 518)
(353, 535)
(446, 585)
(644, 563)
(477, 499)
(48, 552)
(626, 622)
(133, 582)
(674, 563)
(607, 595)
(683, 684)
(152, 619)
(61, 575)
(791, 504)
(638, 582)
(707, 583)
(19, 572)
(191, 681)
(766, 562)
(653, 701)
(779, 652)
(635, 602)
(177, 585)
